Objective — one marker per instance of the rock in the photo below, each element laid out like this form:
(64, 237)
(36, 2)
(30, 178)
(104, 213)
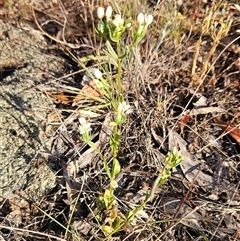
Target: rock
(25, 129)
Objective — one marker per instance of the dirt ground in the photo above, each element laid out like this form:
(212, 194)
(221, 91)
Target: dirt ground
(48, 176)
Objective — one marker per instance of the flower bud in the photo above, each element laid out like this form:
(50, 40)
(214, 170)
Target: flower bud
(140, 18)
(100, 12)
(109, 12)
(148, 19)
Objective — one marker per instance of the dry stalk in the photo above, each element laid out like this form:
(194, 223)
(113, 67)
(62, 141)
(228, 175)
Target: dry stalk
(211, 27)
(64, 43)
(195, 58)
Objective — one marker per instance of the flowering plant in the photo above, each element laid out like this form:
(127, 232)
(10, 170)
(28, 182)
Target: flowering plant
(84, 128)
(111, 27)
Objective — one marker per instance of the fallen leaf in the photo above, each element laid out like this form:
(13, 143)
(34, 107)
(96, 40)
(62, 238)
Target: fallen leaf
(202, 102)
(88, 91)
(205, 110)
(231, 130)
(82, 226)
(191, 166)
(62, 97)
(183, 122)
(12, 211)
(189, 215)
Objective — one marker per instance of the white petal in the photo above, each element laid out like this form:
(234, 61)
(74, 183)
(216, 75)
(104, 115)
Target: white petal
(118, 20)
(100, 12)
(109, 12)
(82, 121)
(95, 72)
(140, 18)
(149, 19)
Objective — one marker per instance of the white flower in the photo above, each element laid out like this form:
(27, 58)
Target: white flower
(148, 19)
(118, 20)
(109, 12)
(123, 107)
(144, 19)
(95, 72)
(84, 127)
(140, 18)
(100, 12)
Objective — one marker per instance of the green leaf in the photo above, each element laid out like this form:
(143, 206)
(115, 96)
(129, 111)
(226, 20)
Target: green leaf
(111, 50)
(130, 215)
(108, 230)
(100, 203)
(117, 223)
(109, 198)
(116, 168)
(101, 28)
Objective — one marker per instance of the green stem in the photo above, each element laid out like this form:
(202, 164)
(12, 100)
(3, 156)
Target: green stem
(115, 149)
(118, 97)
(119, 86)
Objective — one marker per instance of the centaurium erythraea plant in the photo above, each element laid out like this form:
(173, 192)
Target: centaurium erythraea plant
(111, 27)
